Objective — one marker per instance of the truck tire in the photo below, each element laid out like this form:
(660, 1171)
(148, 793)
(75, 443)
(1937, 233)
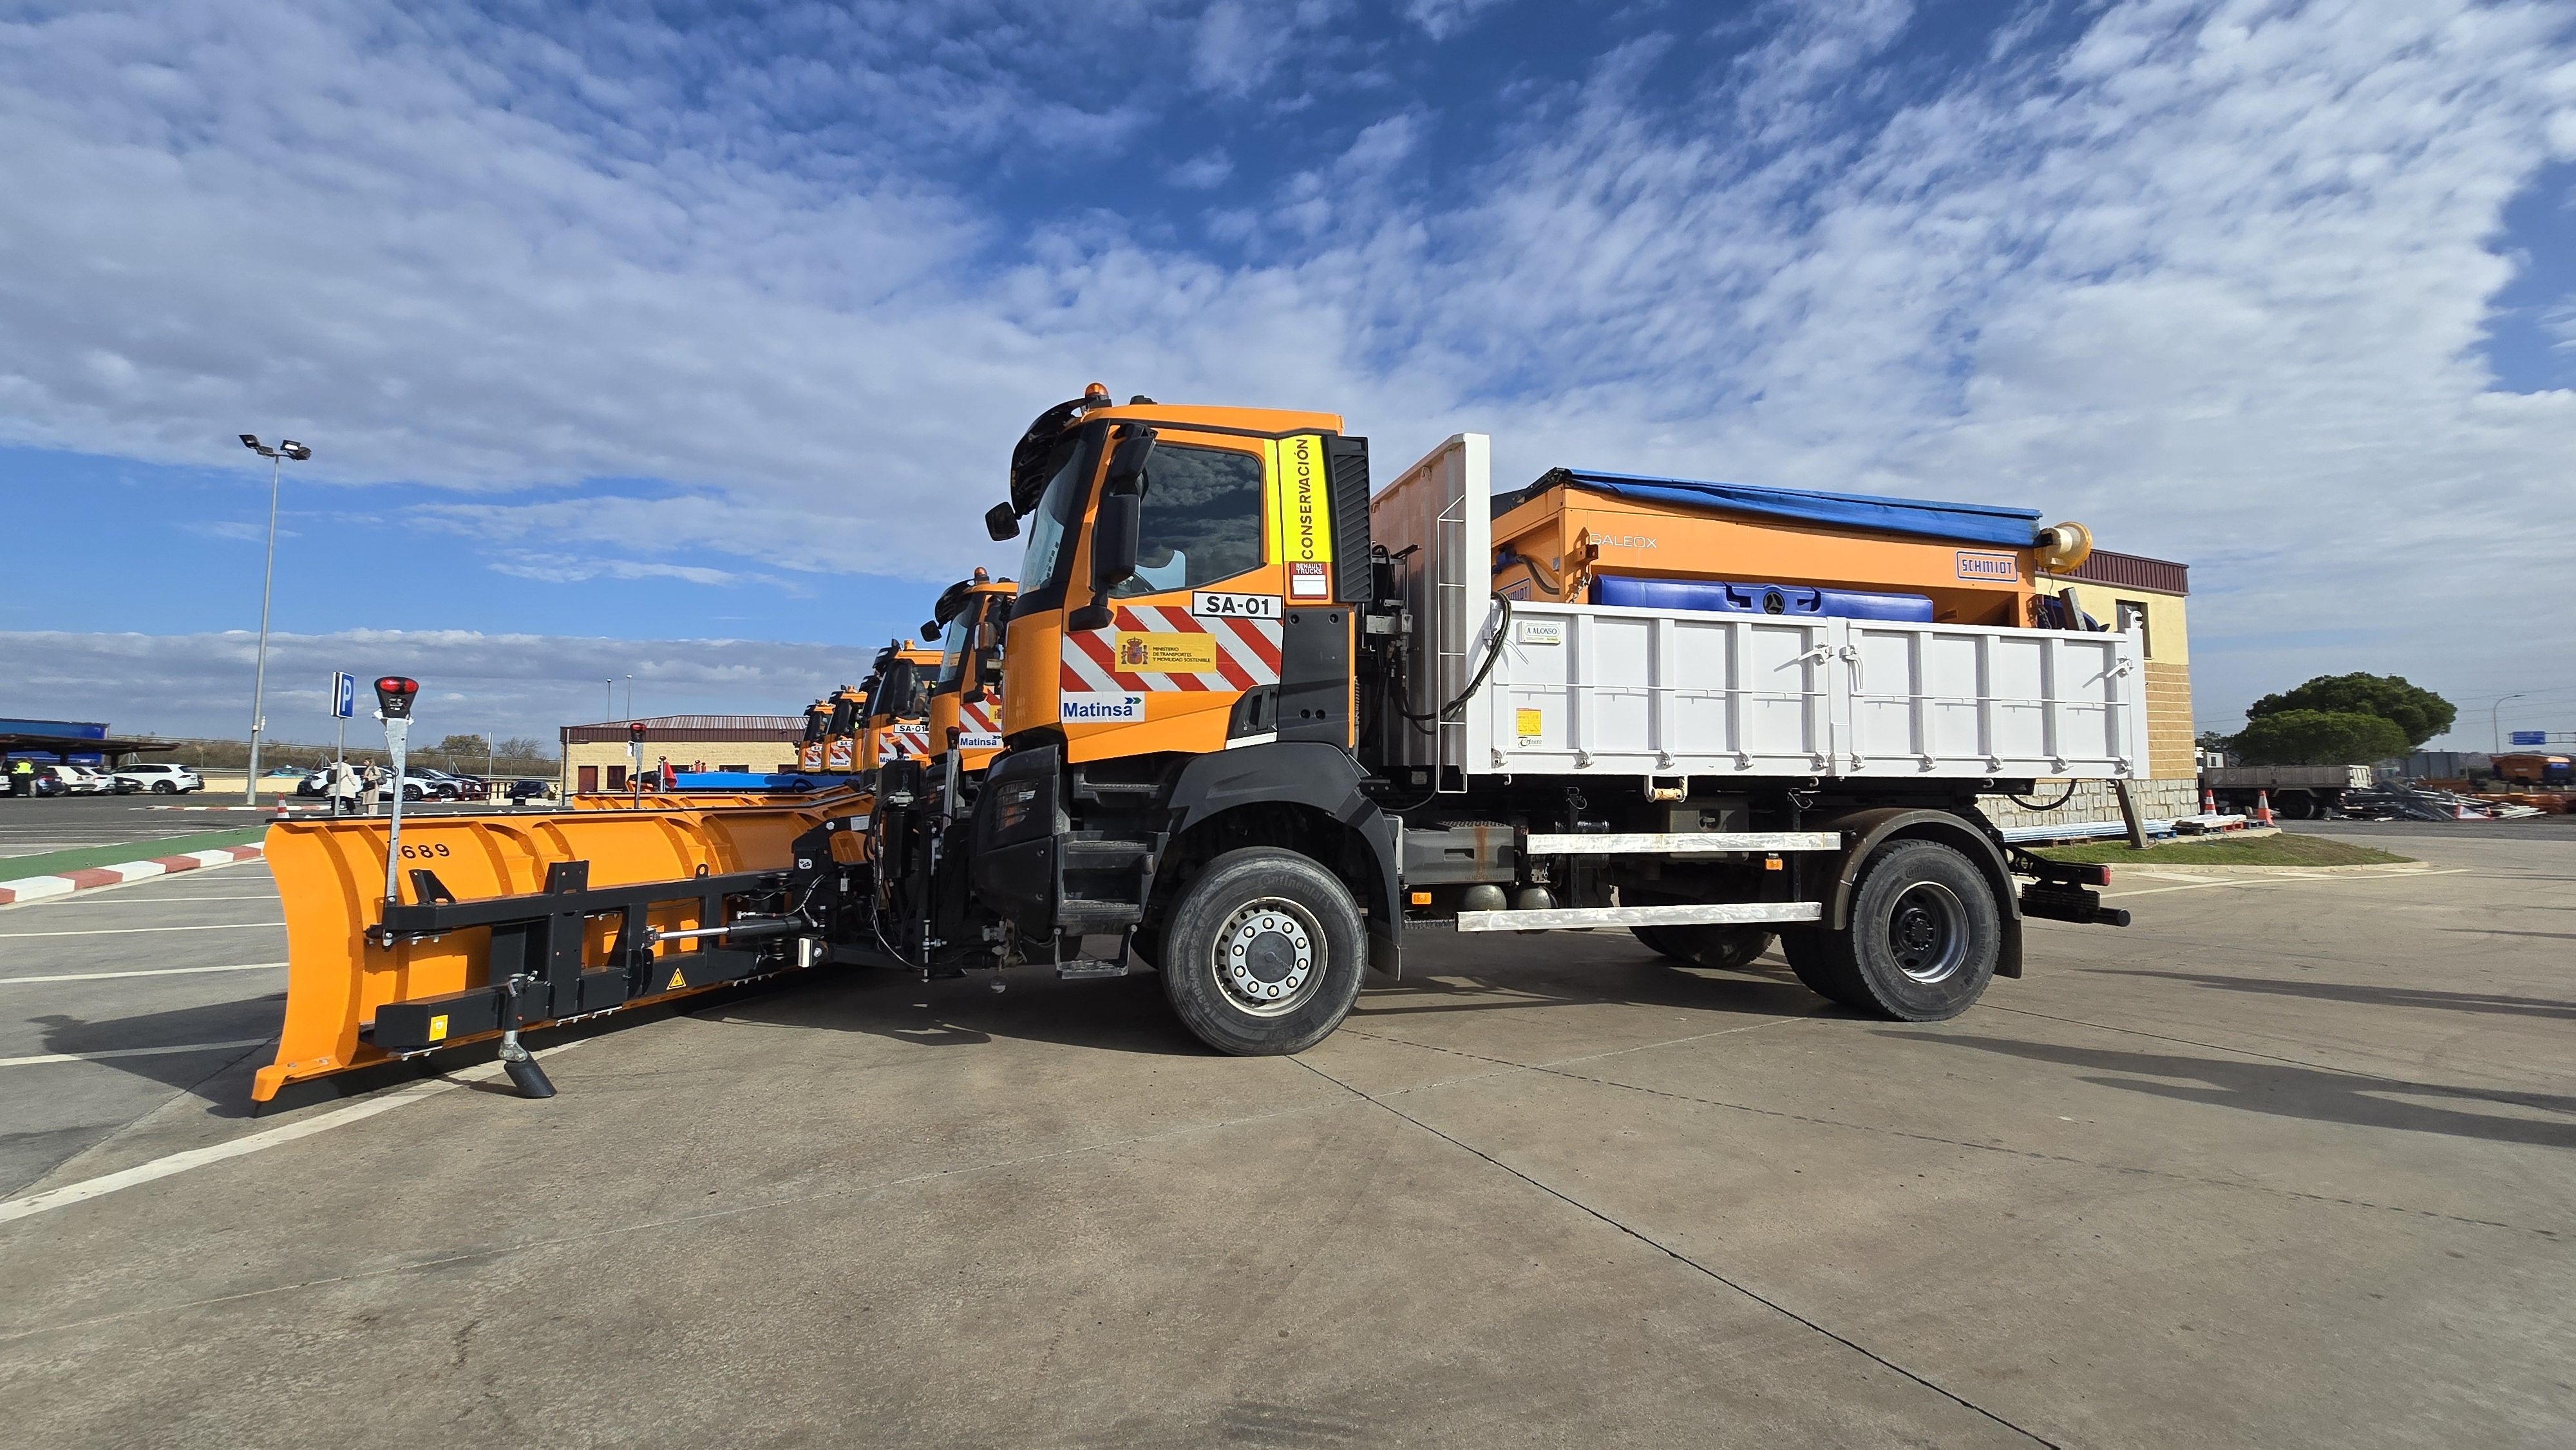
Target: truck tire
(1263, 954)
(1725, 948)
(2293, 805)
(1925, 933)
(1804, 946)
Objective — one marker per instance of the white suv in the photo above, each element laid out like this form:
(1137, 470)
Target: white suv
(163, 779)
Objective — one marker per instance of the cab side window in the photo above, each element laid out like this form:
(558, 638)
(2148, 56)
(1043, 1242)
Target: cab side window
(1201, 519)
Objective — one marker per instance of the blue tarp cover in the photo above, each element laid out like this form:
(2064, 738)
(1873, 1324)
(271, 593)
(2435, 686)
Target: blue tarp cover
(738, 780)
(1973, 523)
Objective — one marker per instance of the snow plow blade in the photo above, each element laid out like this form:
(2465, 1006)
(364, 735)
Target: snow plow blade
(566, 906)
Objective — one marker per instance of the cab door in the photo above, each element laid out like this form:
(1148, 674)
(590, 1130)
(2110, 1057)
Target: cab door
(1190, 658)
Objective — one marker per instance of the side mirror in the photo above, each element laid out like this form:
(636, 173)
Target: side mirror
(1127, 463)
(930, 629)
(1117, 522)
(1001, 523)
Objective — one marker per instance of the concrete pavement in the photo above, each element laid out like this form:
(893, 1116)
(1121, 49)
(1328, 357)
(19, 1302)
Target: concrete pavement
(2287, 1162)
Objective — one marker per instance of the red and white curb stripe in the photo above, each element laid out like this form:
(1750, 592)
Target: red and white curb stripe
(37, 888)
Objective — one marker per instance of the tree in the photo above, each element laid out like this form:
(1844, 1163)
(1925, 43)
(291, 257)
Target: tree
(2320, 737)
(460, 746)
(2417, 711)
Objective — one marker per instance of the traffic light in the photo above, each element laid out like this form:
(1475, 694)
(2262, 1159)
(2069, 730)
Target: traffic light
(394, 695)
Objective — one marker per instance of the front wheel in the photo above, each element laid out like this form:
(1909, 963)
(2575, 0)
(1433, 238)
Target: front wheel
(1924, 937)
(1263, 953)
(163, 787)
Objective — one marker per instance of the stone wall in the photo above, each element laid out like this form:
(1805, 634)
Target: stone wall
(2158, 800)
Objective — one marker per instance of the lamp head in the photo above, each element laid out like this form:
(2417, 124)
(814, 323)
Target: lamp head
(294, 450)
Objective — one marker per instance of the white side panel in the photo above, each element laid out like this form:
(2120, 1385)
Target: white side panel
(1641, 692)
(1596, 690)
(1952, 700)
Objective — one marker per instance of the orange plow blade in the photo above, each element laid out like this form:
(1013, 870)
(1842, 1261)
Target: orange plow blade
(517, 920)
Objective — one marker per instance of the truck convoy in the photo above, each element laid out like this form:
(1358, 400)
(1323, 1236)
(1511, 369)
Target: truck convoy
(1264, 727)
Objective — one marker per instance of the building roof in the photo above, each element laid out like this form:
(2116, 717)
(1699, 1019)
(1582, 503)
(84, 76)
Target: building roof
(2132, 571)
(22, 742)
(691, 729)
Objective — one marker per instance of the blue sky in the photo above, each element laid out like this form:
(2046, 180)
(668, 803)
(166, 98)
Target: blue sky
(619, 330)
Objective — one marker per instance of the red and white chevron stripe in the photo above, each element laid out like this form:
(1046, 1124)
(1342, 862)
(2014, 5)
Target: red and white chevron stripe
(979, 717)
(903, 741)
(1247, 653)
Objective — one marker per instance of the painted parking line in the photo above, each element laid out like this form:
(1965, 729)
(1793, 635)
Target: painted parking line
(176, 1163)
(157, 900)
(115, 1052)
(137, 930)
(152, 972)
(2241, 881)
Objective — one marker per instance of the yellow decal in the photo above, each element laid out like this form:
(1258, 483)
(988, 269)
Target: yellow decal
(1166, 653)
(678, 980)
(1305, 522)
(1526, 724)
(438, 1028)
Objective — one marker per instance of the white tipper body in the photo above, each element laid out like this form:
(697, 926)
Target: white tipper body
(1582, 689)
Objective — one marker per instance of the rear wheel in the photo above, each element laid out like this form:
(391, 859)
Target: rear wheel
(2293, 805)
(1263, 953)
(162, 787)
(1924, 937)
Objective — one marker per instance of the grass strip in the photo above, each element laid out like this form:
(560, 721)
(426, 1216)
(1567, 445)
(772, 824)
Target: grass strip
(2284, 849)
(50, 863)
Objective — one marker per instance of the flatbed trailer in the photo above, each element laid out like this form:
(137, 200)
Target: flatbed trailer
(2295, 792)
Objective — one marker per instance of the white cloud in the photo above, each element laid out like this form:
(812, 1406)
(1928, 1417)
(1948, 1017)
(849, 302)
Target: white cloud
(2214, 280)
(1203, 172)
(510, 684)
(1441, 19)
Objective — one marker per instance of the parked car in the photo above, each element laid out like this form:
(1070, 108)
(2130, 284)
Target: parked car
(162, 778)
(522, 791)
(469, 787)
(315, 783)
(419, 785)
(107, 783)
(71, 780)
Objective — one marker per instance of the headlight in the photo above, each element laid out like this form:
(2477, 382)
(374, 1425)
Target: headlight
(1014, 802)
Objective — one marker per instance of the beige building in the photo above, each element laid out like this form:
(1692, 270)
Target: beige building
(598, 757)
(2127, 591)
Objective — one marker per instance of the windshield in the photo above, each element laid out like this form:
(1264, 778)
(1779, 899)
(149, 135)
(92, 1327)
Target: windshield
(1056, 508)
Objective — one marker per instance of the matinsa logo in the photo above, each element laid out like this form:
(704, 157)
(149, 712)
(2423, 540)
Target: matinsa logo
(2002, 567)
(1081, 709)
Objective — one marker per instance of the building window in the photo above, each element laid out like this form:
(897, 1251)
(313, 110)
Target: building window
(2133, 616)
(617, 777)
(735, 769)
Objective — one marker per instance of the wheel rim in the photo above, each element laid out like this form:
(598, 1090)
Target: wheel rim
(1927, 933)
(1269, 957)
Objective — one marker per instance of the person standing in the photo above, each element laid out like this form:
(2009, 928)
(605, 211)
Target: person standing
(344, 789)
(22, 777)
(371, 782)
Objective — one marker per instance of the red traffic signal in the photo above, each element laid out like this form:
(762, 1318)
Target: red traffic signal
(635, 728)
(394, 696)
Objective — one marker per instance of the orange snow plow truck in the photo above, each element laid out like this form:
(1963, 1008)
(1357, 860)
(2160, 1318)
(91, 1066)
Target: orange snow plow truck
(1267, 723)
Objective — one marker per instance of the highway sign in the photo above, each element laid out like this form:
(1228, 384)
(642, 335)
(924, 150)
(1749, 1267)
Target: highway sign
(2530, 737)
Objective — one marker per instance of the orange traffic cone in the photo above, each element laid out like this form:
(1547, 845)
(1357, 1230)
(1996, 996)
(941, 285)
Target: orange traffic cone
(2263, 808)
(2208, 801)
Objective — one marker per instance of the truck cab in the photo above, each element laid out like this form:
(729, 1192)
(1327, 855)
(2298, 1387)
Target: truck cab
(971, 620)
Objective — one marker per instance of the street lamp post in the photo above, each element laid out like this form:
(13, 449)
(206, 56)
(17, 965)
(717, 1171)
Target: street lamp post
(286, 448)
(2495, 724)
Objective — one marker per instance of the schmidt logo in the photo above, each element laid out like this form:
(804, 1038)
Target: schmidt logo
(2003, 567)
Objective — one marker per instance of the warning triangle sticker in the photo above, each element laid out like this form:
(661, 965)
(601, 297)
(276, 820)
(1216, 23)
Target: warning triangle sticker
(677, 981)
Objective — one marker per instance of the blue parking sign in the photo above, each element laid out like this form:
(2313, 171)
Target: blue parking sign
(344, 695)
